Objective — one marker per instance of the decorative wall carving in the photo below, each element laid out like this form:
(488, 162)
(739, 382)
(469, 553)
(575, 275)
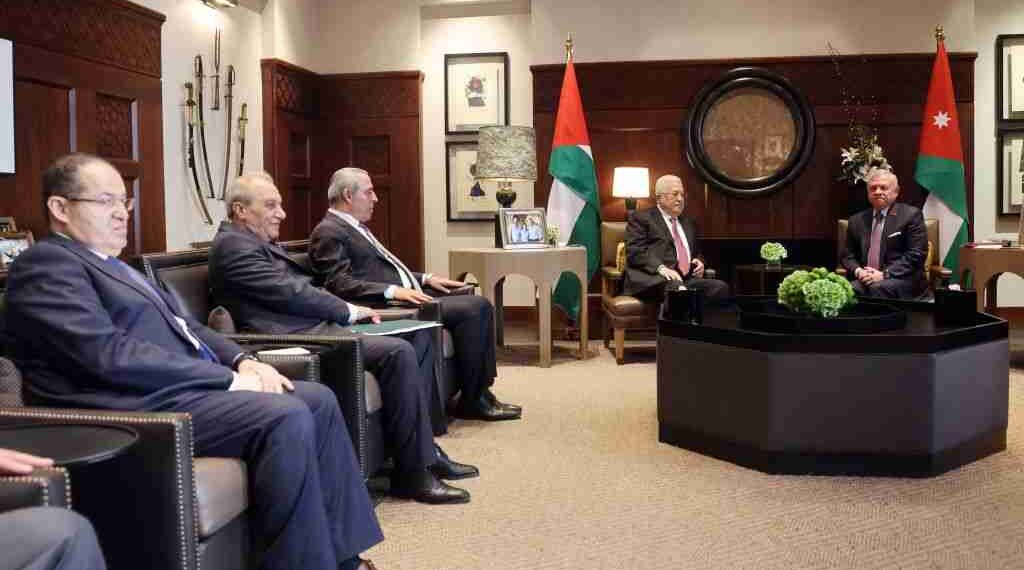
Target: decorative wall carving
(372, 154)
(373, 95)
(113, 126)
(113, 32)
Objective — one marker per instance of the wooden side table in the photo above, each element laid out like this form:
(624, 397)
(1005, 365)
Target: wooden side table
(985, 266)
(490, 266)
(760, 279)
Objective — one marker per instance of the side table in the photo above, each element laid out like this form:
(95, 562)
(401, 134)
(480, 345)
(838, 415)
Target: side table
(985, 266)
(69, 445)
(759, 279)
(490, 265)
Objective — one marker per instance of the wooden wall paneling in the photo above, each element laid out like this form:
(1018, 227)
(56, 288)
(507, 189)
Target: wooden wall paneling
(103, 104)
(373, 121)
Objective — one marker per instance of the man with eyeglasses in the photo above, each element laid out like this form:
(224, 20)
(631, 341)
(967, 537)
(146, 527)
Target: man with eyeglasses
(88, 331)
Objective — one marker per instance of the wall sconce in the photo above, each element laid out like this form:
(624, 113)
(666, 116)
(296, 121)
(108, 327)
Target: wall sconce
(221, 3)
(631, 182)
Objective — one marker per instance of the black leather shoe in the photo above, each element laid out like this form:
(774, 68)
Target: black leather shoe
(495, 401)
(423, 486)
(445, 468)
(481, 409)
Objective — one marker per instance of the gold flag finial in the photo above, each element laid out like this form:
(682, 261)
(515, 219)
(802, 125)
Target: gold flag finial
(568, 47)
(940, 35)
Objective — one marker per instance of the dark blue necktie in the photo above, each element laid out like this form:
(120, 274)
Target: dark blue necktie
(125, 270)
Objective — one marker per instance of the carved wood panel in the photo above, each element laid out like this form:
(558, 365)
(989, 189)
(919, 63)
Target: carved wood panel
(65, 103)
(636, 112)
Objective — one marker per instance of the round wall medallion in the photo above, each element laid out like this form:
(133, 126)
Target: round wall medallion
(750, 132)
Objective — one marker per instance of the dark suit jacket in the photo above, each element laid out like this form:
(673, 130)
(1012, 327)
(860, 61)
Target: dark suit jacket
(263, 288)
(86, 335)
(649, 244)
(903, 247)
(347, 264)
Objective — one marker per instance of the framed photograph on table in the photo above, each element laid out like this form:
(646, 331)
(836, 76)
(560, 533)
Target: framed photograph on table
(476, 89)
(1010, 78)
(1010, 165)
(12, 244)
(523, 228)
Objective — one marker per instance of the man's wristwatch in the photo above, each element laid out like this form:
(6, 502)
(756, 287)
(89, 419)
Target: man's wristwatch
(244, 356)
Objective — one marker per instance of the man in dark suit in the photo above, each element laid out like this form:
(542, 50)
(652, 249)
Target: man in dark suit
(89, 331)
(350, 262)
(886, 243)
(662, 247)
(266, 291)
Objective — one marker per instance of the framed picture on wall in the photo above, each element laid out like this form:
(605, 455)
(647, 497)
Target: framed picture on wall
(12, 244)
(468, 199)
(1010, 77)
(476, 88)
(1010, 164)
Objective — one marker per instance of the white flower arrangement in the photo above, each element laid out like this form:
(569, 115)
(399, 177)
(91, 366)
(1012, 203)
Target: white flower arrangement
(864, 155)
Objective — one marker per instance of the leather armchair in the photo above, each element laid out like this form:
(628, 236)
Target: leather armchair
(193, 509)
(622, 312)
(185, 276)
(935, 274)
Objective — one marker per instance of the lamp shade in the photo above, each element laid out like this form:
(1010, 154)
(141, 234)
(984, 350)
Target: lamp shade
(631, 182)
(507, 153)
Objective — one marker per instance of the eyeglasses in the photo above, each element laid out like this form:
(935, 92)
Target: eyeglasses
(107, 202)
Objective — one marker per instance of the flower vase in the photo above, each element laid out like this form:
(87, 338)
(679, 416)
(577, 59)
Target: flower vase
(773, 265)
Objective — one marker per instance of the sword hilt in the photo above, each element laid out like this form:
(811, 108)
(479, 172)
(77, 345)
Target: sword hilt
(190, 104)
(243, 119)
(197, 68)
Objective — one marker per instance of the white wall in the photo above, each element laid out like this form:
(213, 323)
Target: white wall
(292, 30)
(993, 17)
(188, 31)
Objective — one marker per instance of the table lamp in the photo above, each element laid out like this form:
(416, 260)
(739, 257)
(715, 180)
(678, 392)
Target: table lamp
(506, 155)
(631, 182)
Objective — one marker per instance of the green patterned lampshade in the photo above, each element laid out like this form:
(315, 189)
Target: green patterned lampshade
(507, 154)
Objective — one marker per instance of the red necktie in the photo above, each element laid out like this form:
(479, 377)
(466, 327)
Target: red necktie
(681, 253)
(875, 246)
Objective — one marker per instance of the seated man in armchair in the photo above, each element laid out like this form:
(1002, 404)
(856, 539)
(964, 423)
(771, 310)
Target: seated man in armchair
(886, 244)
(353, 264)
(89, 331)
(662, 247)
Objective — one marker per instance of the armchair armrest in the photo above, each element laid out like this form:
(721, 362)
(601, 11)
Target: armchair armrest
(709, 273)
(151, 481)
(43, 487)
(611, 273)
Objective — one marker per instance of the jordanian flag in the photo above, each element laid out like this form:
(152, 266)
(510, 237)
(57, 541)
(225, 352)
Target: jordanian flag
(573, 204)
(940, 164)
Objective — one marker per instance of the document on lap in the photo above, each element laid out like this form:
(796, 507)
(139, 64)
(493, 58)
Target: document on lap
(393, 327)
(290, 351)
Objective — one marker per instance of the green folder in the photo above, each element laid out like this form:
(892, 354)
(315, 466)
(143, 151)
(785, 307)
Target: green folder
(393, 327)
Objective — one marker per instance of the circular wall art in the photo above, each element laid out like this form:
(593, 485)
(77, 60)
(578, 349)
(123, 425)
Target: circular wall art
(750, 132)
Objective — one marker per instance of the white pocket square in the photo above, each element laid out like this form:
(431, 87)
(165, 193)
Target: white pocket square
(892, 235)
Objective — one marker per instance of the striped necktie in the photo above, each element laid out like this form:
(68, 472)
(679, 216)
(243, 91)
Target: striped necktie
(409, 280)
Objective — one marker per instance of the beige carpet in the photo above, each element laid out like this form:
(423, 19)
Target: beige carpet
(581, 482)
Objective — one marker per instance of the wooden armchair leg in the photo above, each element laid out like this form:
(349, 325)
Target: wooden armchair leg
(620, 345)
(606, 331)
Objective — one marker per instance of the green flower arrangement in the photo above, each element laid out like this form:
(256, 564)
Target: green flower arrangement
(818, 291)
(773, 251)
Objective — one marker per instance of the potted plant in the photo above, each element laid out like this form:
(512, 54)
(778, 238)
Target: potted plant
(819, 291)
(772, 252)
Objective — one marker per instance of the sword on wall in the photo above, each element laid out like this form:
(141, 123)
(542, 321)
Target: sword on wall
(190, 120)
(198, 62)
(242, 121)
(216, 71)
(228, 84)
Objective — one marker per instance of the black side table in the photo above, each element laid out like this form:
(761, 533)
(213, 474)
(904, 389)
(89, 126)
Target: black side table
(760, 279)
(69, 445)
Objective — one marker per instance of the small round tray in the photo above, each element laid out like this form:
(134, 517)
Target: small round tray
(865, 317)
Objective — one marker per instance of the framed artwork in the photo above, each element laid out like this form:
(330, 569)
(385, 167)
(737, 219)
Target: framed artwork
(523, 228)
(1010, 78)
(7, 224)
(1010, 165)
(750, 133)
(476, 90)
(12, 244)
(469, 199)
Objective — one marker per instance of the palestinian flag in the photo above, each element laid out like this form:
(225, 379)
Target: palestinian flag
(940, 164)
(573, 205)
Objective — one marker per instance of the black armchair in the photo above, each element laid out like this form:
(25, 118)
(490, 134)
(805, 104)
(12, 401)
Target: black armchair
(154, 506)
